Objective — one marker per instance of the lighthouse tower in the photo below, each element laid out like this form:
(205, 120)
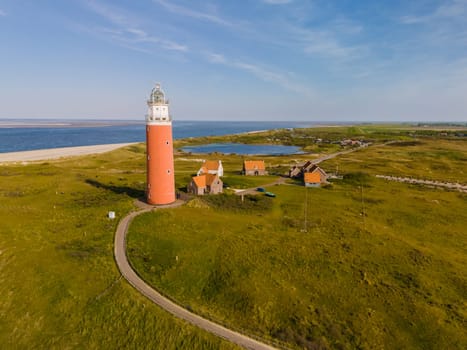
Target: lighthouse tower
(159, 148)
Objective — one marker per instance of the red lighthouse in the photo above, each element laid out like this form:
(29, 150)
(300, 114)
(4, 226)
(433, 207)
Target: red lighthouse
(159, 148)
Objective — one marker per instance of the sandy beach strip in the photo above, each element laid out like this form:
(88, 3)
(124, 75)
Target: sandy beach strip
(55, 153)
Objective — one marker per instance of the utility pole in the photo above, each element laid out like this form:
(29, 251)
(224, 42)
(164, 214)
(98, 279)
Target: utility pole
(363, 205)
(306, 209)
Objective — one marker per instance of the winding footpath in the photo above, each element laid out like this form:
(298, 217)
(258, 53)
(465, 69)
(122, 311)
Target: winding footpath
(132, 277)
(451, 185)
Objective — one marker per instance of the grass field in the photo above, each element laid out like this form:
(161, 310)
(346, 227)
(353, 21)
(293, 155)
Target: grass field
(441, 160)
(393, 278)
(59, 285)
(388, 272)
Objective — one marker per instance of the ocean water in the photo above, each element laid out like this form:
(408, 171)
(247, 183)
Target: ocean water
(44, 134)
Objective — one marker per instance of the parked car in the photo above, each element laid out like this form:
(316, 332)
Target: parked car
(270, 194)
(260, 189)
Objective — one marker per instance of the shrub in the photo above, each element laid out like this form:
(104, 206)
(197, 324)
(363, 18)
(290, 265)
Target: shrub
(357, 179)
(235, 203)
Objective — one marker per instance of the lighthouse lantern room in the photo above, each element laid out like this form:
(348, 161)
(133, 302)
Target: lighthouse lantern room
(159, 150)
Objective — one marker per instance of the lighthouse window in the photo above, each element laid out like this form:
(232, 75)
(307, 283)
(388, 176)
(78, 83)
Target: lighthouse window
(168, 171)
(166, 142)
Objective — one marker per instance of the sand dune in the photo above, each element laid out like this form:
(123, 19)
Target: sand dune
(55, 153)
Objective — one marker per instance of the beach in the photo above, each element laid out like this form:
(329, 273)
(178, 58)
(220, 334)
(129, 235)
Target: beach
(55, 153)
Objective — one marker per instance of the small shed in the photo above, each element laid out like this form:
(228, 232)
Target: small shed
(298, 170)
(254, 167)
(205, 184)
(315, 178)
(211, 167)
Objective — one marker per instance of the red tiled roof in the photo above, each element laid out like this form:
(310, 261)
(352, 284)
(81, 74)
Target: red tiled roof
(200, 181)
(254, 165)
(210, 165)
(313, 177)
(204, 180)
(210, 179)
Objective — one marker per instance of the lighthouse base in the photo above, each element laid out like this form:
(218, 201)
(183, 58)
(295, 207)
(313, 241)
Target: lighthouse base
(160, 200)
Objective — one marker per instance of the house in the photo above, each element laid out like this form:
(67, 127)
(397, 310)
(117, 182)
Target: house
(205, 184)
(349, 142)
(211, 167)
(254, 167)
(315, 178)
(298, 170)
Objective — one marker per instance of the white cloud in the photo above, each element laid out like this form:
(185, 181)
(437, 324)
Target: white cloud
(188, 12)
(413, 19)
(216, 58)
(346, 27)
(324, 43)
(330, 47)
(454, 8)
(128, 33)
(264, 74)
(450, 10)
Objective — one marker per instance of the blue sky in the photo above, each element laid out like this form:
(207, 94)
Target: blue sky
(307, 60)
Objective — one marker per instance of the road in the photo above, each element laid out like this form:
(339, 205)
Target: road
(130, 275)
(333, 155)
(450, 185)
(279, 181)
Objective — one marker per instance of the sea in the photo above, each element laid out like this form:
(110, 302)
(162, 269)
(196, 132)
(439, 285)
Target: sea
(25, 135)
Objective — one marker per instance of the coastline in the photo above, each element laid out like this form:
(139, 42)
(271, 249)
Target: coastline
(56, 153)
(62, 152)
(31, 124)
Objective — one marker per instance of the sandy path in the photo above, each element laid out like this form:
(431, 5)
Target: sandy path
(54, 153)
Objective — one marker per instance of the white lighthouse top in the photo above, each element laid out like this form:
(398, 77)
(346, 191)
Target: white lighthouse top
(157, 96)
(158, 107)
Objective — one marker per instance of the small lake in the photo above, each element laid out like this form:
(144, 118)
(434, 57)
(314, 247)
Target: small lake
(243, 149)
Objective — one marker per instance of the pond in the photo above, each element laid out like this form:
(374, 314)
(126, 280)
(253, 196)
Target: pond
(243, 149)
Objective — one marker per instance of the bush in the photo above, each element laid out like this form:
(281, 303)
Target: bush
(235, 203)
(405, 143)
(357, 179)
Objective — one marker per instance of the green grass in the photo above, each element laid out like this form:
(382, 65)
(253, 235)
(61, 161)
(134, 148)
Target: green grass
(396, 280)
(59, 285)
(440, 160)
(390, 273)
(307, 137)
